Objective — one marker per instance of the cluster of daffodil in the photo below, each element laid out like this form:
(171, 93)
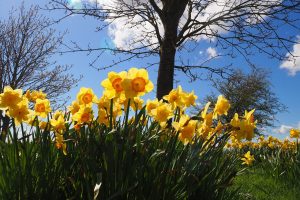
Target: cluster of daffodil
(17, 106)
(269, 142)
(262, 143)
(123, 91)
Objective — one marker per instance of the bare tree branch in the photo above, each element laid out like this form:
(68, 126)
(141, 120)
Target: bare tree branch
(27, 42)
(244, 27)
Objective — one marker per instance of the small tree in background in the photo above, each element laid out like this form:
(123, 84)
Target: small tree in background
(27, 43)
(247, 92)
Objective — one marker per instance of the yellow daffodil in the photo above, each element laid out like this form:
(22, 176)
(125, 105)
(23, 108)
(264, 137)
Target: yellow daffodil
(74, 107)
(20, 112)
(205, 109)
(136, 103)
(42, 107)
(218, 129)
(104, 102)
(221, 107)
(10, 98)
(103, 117)
(187, 132)
(113, 84)
(205, 126)
(248, 159)
(77, 127)
(59, 143)
(151, 104)
(235, 121)
(58, 123)
(86, 96)
(245, 126)
(175, 97)
(32, 119)
(207, 117)
(190, 99)
(44, 126)
(162, 113)
(57, 114)
(208, 120)
(255, 145)
(186, 128)
(203, 130)
(34, 95)
(271, 145)
(136, 83)
(294, 133)
(84, 115)
(117, 111)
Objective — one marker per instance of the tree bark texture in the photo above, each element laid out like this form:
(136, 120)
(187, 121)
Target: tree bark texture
(165, 77)
(171, 14)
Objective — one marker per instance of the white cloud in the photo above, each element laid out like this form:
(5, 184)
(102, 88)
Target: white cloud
(283, 129)
(211, 52)
(129, 35)
(125, 35)
(292, 62)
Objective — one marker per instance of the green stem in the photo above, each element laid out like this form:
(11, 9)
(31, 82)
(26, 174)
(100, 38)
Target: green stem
(127, 115)
(19, 173)
(111, 114)
(169, 159)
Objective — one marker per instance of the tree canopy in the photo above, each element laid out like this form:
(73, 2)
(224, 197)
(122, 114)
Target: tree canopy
(250, 91)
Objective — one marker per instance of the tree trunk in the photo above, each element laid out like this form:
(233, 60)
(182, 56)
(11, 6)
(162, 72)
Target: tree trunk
(165, 77)
(171, 14)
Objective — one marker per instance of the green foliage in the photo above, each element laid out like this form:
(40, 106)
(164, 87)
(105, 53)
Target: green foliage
(274, 174)
(136, 160)
(283, 165)
(30, 169)
(256, 184)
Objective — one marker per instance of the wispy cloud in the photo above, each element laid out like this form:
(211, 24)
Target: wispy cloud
(285, 129)
(211, 52)
(292, 62)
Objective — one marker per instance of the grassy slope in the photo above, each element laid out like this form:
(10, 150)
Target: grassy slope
(256, 185)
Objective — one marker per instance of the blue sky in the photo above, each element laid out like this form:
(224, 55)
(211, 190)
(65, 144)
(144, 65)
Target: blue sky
(83, 31)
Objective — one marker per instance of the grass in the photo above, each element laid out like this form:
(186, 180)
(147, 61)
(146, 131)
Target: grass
(257, 185)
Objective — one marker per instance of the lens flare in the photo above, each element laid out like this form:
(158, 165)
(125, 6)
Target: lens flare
(77, 4)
